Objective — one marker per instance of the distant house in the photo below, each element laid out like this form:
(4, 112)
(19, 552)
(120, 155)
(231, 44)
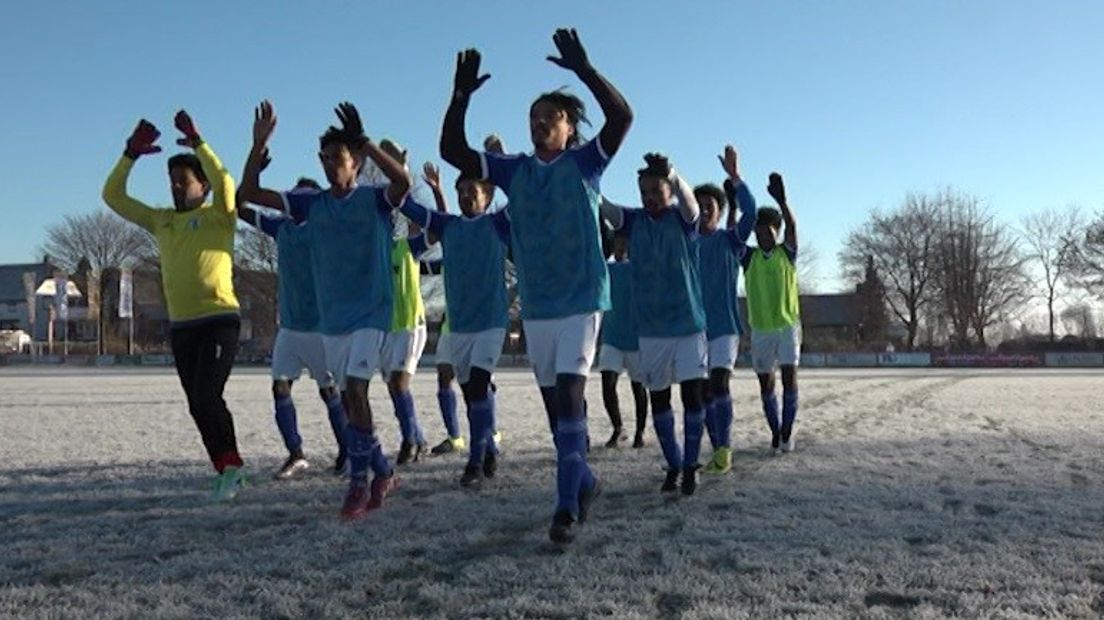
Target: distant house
(15, 313)
(828, 322)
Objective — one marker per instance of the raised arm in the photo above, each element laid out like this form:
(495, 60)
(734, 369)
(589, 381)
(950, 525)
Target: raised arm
(615, 108)
(398, 178)
(141, 142)
(218, 177)
(684, 195)
(246, 213)
(454, 139)
(739, 197)
(777, 189)
(264, 123)
(432, 177)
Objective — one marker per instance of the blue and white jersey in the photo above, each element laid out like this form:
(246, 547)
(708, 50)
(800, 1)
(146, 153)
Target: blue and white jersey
(719, 255)
(350, 244)
(473, 264)
(666, 284)
(298, 308)
(619, 322)
(554, 225)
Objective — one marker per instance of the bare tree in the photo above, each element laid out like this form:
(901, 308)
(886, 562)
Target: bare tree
(1085, 261)
(105, 239)
(902, 245)
(1047, 236)
(982, 278)
(808, 268)
(1080, 319)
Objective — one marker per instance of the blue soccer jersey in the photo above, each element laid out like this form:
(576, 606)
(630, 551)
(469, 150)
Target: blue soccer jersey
(665, 281)
(619, 322)
(554, 229)
(719, 256)
(474, 265)
(298, 308)
(350, 244)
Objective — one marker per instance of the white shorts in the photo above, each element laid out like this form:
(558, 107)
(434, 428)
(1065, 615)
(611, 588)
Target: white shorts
(666, 361)
(444, 349)
(402, 350)
(779, 347)
(612, 359)
(723, 351)
(562, 346)
(475, 350)
(295, 351)
(356, 354)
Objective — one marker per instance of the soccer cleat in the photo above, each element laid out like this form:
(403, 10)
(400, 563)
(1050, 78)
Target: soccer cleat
(409, 453)
(788, 439)
(690, 479)
(776, 444)
(292, 467)
(586, 498)
(227, 484)
(497, 437)
(490, 464)
(341, 464)
(356, 500)
(617, 437)
(381, 487)
(721, 463)
(471, 476)
(560, 532)
(638, 440)
(448, 446)
(670, 483)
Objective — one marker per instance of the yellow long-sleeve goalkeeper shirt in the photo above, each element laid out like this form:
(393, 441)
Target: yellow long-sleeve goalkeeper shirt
(197, 246)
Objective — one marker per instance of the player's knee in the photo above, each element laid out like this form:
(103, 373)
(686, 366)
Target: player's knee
(445, 377)
(661, 400)
(691, 392)
(570, 394)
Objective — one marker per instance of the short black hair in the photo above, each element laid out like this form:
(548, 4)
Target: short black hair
(769, 216)
(571, 105)
(189, 161)
(307, 182)
(656, 167)
(474, 178)
(333, 135)
(712, 191)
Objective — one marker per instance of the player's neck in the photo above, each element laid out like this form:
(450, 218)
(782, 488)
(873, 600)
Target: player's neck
(341, 190)
(547, 155)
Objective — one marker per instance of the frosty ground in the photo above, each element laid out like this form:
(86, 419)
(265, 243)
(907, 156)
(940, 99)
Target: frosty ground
(919, 493)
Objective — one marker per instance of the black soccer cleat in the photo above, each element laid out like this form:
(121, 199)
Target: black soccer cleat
(690, 479)
(490, 464)
(560, 532)
(670, 483)
(471, 477)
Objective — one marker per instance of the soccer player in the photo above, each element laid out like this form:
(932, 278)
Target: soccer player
(556, 246)
(619, 350)
(774, 312)
(474, 268)
(298, 343)
(669, 310)
(404, 343)
(350, 229)
(719, 253)
(196, 242)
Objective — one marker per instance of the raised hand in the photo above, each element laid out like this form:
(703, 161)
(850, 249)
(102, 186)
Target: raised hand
(264, 123)
(186, 126)
(493, 144)
(730, 162)
(777, 189)
(467, 79)
(432, 176)
(658, 164)
(572, 55)
(266, 159)
(350, 118)
(142, 139)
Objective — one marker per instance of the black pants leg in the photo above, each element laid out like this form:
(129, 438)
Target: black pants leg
(204, 357)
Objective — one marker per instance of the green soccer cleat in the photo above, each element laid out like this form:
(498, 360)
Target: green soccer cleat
(228, 484)
(449, 446)
(721, 463)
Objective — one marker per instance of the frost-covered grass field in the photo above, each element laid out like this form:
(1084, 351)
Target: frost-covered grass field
(912, 494)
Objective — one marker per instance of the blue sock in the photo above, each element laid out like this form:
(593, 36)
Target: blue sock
(492, 446)
(723, 408)
(770, 409)
(447, 400)
(287, 423)
(338, 420)
(711, 423)
(572, 472)
(480, 419)
(362, 447)
(404, 411)
(789, 407)
(664, 423)
(692, 425)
